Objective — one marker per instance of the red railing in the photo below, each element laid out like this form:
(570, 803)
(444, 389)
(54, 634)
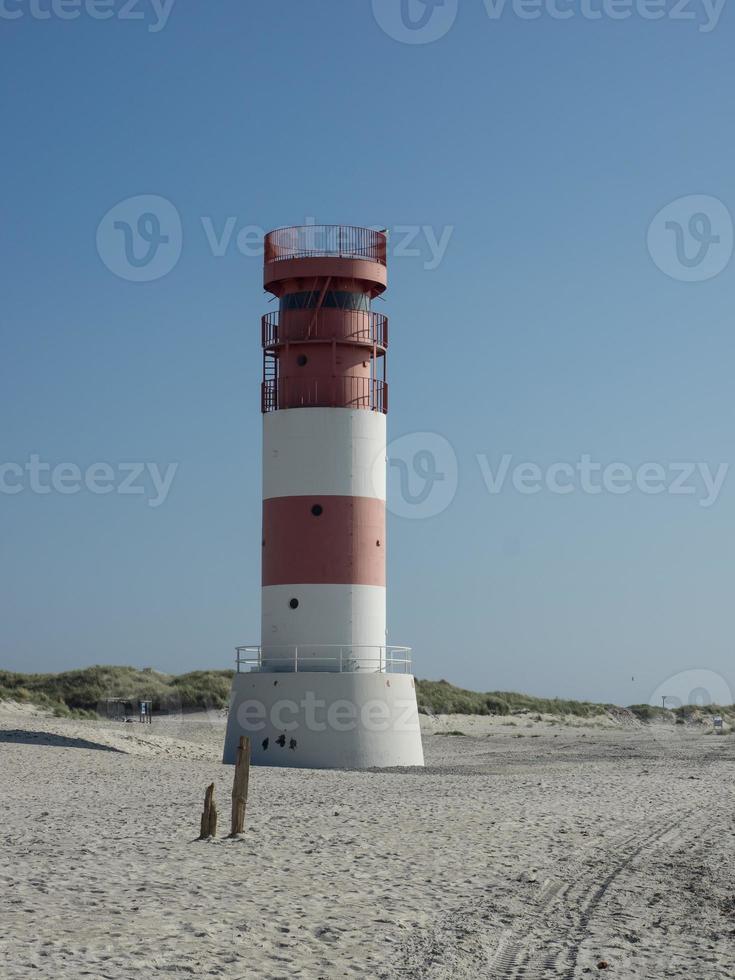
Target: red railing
(342, 241)
(345, 392)
(346, 326)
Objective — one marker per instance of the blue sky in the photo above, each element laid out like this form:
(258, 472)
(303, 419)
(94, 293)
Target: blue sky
(546, 331)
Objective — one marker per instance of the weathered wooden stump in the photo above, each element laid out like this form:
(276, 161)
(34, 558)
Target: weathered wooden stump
(240, 786)
(208, 827)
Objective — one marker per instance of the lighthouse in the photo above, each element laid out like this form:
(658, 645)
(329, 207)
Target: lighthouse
(323, 688)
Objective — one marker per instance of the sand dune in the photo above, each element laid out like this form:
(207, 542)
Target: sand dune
(520, 852)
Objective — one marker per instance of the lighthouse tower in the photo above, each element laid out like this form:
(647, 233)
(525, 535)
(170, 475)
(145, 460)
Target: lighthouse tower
(323, 688)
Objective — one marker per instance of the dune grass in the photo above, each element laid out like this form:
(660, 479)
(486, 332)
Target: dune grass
(649, 712)
(683, 714)
(81, 691)
(442, 698)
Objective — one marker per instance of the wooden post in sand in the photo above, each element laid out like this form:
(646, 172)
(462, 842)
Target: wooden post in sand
(240, 786)
(209, 815)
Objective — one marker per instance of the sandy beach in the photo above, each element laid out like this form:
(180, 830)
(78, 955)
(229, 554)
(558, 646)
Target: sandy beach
(523, 850)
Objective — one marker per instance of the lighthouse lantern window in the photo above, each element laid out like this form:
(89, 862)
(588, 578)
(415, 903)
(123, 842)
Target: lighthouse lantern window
(333, 299)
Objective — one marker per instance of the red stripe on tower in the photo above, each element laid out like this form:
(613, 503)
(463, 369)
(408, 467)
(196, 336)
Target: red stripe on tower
(323, 540)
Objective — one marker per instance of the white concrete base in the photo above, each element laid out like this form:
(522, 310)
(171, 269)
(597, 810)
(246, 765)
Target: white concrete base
(325, 721)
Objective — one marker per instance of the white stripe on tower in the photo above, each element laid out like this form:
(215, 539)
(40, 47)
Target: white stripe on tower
(327, 451)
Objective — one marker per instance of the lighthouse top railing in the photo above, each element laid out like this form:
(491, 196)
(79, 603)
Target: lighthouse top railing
(308, 325)
(316, 241)
(347, 392)
(350, 658)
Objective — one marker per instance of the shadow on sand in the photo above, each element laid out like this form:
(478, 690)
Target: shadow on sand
(24, 737)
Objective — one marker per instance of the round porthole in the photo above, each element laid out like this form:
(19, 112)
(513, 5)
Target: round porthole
(302, 359)
(317, 510)
(294, 603)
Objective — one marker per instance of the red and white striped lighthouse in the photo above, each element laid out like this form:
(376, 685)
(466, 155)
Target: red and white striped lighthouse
(324, 403)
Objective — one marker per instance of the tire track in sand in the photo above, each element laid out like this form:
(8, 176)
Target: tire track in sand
(562, 913)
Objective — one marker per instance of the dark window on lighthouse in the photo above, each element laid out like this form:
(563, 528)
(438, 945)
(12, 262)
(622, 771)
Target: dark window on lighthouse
(317, 510)
(301, 360)
(333, 299)
(294, 603)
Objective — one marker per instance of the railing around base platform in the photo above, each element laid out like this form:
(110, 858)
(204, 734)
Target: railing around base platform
(328, 658)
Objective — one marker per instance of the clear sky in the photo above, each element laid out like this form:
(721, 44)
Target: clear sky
(553, 327)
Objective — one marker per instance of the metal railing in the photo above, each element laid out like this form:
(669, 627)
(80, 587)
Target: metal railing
(346, 326)
(344, 392)
(340, 241)
(328, 658)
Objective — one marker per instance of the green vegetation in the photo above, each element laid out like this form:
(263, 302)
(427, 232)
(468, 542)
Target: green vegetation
(648, 712)
(690, 712)
(442, 698)
(685, 713)
(80, 691)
